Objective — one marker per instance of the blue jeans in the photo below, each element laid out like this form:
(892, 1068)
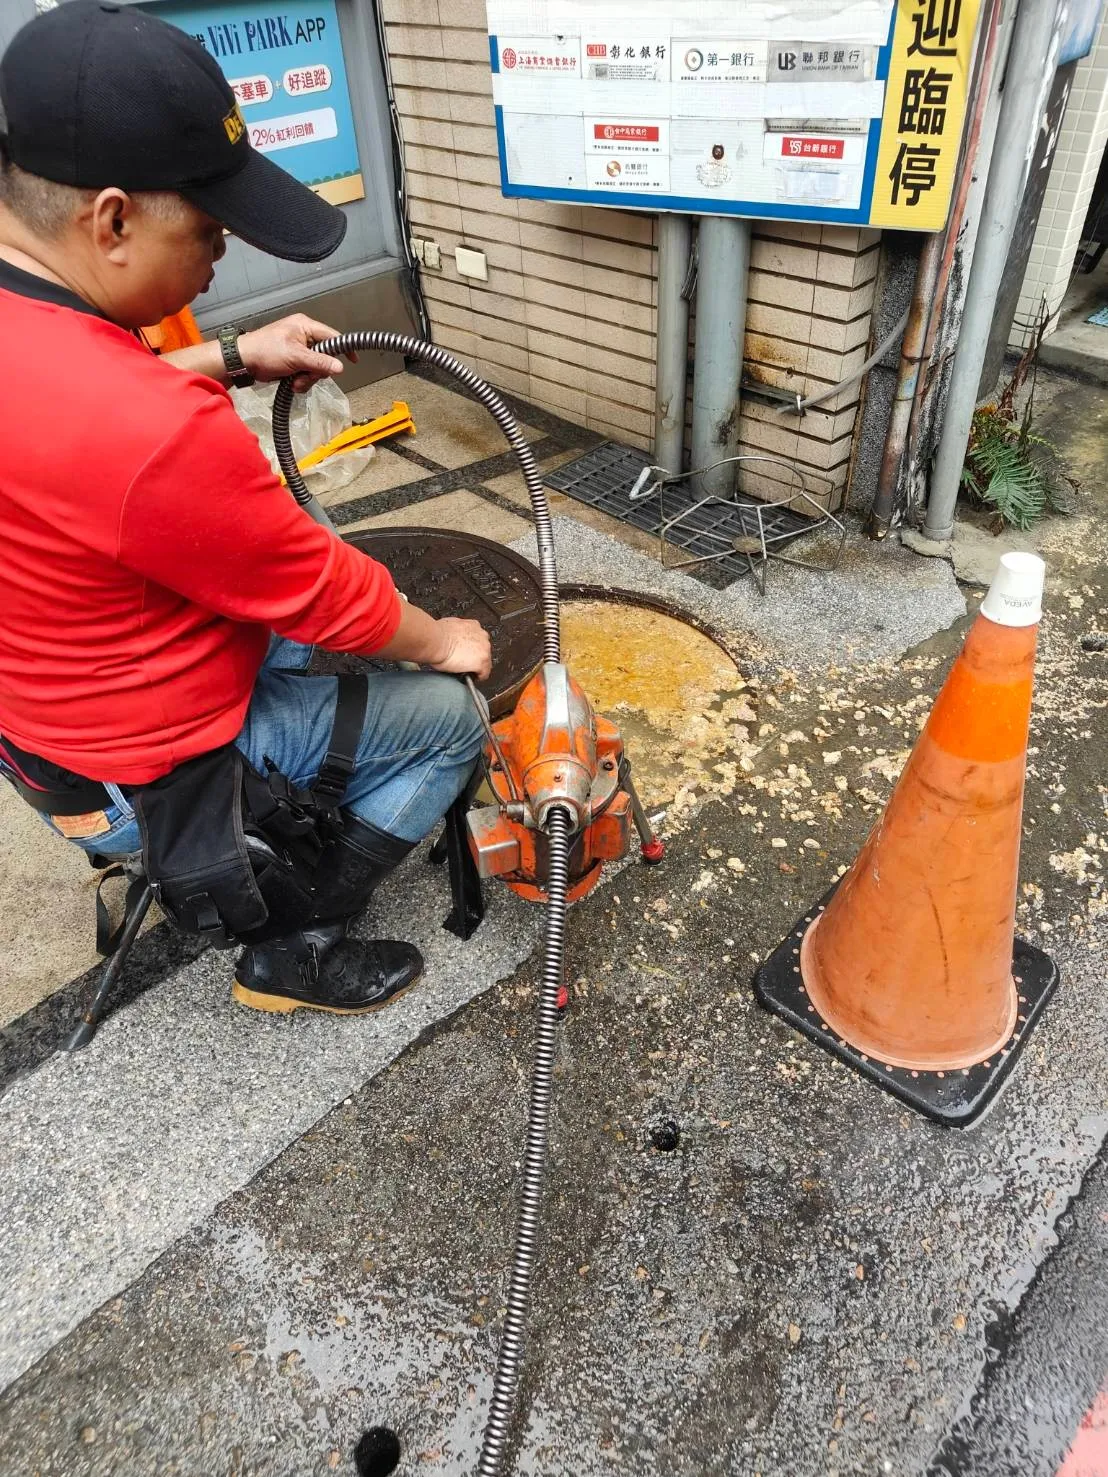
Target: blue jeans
(419, 742)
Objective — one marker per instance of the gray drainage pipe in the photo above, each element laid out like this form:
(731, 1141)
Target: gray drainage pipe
(1030, 71)
(672, 370)
(723, 262)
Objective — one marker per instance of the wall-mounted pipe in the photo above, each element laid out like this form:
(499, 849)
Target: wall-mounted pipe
(1026, 89)
(672, 369)
(907, 381)
(723, 263)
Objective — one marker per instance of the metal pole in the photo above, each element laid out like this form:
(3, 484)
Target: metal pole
(1026, 89)
(85, 1029)
(723, 261)
(976, 154)
(672, 369)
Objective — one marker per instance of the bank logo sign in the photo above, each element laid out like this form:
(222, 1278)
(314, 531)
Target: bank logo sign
(851, 112)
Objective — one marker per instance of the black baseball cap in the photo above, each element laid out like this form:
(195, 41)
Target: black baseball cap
(97, 94)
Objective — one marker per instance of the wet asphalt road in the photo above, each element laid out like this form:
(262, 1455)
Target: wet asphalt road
(1049, 1360)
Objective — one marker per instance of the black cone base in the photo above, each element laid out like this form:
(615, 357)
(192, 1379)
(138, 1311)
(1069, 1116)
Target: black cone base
(953, 1098)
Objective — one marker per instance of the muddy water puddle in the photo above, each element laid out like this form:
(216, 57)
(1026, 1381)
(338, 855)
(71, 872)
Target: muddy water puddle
(677, 696)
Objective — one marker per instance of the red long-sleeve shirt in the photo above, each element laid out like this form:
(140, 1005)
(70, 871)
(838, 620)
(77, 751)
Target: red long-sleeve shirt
(146, 550)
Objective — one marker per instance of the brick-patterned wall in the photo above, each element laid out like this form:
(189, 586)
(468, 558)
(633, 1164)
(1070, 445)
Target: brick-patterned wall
(567, 317)
(1073, 173)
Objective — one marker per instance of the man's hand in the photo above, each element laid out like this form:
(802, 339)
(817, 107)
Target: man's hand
(465, 646)
(269, 353)
(284, 347)
(448, 645)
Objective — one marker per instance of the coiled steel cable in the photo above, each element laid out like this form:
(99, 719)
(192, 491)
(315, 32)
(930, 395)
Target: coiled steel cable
(508, 1364)
(559, 829)
(416, 348)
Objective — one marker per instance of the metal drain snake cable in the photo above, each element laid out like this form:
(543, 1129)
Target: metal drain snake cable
(510, 1359)
(417, 348)
(559, 829)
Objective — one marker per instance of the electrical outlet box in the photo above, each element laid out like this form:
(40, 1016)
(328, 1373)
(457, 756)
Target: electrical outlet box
(471, 263)
(432, 256)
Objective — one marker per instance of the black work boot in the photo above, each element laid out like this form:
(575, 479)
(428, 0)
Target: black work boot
(319, 968)
(355, 861)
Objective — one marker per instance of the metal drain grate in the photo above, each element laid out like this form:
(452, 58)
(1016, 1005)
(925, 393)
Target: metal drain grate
(603, 478)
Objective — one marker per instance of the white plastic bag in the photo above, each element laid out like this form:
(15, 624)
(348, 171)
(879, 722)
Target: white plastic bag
(313, 419)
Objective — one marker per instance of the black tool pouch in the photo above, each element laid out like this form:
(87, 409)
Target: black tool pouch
(194, 847)
(230, 853)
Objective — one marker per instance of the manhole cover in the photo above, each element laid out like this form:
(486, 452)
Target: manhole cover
(450, 573)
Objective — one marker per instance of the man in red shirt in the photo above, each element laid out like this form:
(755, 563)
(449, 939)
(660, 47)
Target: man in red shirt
(159, 584)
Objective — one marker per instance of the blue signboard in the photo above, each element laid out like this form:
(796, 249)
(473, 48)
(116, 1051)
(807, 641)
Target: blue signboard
(1082, 20)
(284, 61)
(808, 110)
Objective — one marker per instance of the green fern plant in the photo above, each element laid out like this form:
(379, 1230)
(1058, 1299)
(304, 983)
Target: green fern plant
(1003, 472)
(1009, 468)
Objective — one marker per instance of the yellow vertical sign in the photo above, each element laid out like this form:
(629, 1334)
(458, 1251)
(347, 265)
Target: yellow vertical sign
(925, 107)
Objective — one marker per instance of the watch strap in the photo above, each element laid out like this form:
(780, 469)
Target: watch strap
(237, 372)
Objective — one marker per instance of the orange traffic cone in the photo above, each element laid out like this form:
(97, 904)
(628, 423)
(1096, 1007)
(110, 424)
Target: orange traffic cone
(910, 970)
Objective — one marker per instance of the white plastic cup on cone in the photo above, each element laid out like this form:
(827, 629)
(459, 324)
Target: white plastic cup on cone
(1015, 596)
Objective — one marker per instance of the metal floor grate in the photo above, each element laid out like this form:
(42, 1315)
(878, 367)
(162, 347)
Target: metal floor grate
(603, 478)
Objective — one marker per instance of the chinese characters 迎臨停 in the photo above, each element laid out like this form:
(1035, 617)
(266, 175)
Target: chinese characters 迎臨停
(935, 27)
(923, 102)
(913, 172)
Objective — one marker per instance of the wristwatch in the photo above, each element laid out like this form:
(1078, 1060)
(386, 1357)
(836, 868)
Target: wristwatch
(237, 372)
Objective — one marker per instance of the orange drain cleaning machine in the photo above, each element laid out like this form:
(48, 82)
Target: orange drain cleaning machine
(552, 751)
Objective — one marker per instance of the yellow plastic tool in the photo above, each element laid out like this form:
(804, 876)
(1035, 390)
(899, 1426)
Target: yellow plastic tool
(363, 433)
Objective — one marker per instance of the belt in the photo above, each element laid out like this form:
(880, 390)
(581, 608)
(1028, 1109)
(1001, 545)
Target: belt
(80, 797)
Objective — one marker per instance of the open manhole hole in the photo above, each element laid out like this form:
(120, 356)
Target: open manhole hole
(678, 697)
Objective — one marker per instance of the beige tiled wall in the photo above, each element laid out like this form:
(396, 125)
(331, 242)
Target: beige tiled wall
(567, 317)
(1072, 176)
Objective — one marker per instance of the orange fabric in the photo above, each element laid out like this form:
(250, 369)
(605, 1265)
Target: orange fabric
(911, 962)
(178, 332)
